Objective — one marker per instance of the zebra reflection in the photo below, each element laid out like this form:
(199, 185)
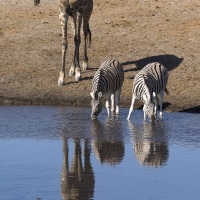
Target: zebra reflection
(78, 181)
(150, 143)
(107, 144)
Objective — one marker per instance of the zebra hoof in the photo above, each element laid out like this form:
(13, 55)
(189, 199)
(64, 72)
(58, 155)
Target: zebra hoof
(117, 110)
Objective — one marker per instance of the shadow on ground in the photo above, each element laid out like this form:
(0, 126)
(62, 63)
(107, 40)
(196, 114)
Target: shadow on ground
(169, 61)
(195, 109)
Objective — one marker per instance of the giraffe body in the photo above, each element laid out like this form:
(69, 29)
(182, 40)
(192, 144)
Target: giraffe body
(78, 11)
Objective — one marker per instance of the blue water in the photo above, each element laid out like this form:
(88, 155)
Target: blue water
(60, 153)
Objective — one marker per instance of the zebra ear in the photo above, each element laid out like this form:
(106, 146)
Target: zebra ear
(148, 95)
(92, 95)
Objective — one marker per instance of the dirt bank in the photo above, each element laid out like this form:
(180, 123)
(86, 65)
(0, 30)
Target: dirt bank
(133, 32)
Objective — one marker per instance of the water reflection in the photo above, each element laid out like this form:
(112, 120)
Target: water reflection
(150, 143)
(43, 132)
(107, 140)
(77, 181)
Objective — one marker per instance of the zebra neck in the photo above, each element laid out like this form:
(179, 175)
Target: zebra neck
(146, 93)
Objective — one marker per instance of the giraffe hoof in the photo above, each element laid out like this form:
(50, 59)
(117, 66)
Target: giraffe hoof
(60, 83)
(85, 66)
(71, 72)
(77, 78)
(61, 79)
(77, 75)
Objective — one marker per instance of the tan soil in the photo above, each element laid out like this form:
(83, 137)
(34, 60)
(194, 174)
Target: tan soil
(135, 32)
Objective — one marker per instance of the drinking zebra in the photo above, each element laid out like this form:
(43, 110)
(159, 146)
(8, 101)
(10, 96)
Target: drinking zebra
(107, 82)
(149, 85)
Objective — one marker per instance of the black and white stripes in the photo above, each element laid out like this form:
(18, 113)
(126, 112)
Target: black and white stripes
(149, 86)
(107, 82)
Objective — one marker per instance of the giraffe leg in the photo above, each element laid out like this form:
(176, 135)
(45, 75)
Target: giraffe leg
(86, 30)
(77, 19)
(72, 69)
(64, 22)
(65, 167)
(77, 45)
(87, 33)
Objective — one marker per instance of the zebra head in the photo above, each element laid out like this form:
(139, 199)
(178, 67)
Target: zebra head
(96, 104)
(148, 101)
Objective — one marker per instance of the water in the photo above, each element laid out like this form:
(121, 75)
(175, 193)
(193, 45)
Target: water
(59, 153)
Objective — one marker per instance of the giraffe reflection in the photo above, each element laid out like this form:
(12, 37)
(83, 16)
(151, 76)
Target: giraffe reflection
(77, 182)
(150, 143)
(107, 144)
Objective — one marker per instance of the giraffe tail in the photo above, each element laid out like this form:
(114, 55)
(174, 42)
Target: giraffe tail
(89, 36)
(36, 2)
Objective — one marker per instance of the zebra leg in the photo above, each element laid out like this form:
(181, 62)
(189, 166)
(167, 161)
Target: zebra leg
(132, 106)
(117, 100)
(144, 111)
(64, 22)
(160, 97)
(156, 108)
(112, 98)
(155, 101)
(108, 104)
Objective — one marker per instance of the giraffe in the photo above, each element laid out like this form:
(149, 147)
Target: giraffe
(78, 12)
(77, 178)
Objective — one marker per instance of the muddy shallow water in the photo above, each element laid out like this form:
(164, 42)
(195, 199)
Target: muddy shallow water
(59, 153)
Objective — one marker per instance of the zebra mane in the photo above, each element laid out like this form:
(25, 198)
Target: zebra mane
(96, 85)
(99, 75)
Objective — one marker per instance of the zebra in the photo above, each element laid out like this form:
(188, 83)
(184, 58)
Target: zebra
(107, 82)
(149, 85)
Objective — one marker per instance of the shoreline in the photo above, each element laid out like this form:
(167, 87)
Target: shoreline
(42, 102)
